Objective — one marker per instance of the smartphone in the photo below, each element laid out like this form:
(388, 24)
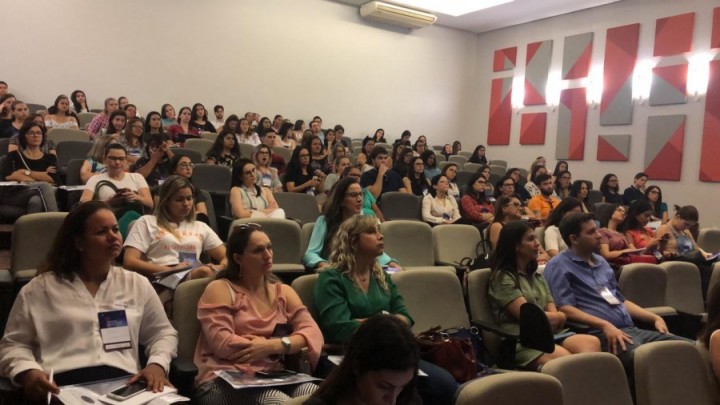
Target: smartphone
(128, 391)
(282, 330)
(274, 373)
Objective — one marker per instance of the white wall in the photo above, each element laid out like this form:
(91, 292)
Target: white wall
(299, 58)
(689, 190)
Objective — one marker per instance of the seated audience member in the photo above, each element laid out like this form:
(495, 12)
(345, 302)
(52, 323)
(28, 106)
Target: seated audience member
(560, 166)
(300, 178)
(540, 161)
(182, 127)
(363, 158)
(515, 174)
(238, 313)
(584, 287)
(543, 203)
(267, 176)
(580, 189)
(708, 337)
(402, 160)
(51, 324)
(430, 160)
(132, 140)
(318, 158)
(420, 146)
(298, 130)
(509, 209)
(485, 171)
(330, 142)
(416, 182)
(247, 199)
(514, 282)
(355, 288)
(154, 164)
(94, 164)
(369, 206)
(122, 102)
(263, 125)
(404, 139)
(447, 151)
(219, 121)
(382, 349)
(10, 128)
(653, 194)
(100, 121)
(199, 119)
(506, 186)
(345, 201)
(635, 227)
(456, 147)
(60, 115)
(181, 165)
(48, 147)
(379, 136)
(339, 134)
(127, 193)
(167, 112)
(153, 125)
(637, 190)
(450, 171)
(247, 135)
(381, 179)
(30, 165)
(554, 243)
(614, 247)
(610, 189)
(438, 207)
(232, 125)
(270, 139)
(562, 184)
(130, 111)
(225, 150)
(531, 186)
(116, 124)
(287, 136)
(6, 101)
(172, 238)
(478, 155)
(476, 208)
(79, 102)
(338, 167)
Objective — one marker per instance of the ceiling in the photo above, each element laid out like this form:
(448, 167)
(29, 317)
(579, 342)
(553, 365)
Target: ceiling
(506, 15)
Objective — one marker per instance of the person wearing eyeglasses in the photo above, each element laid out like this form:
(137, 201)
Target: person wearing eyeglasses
(476, 208)
(132, 139)
(543, 203)
(181, 165)
(438, 207)
(247, 199)
(300, 177)
(267, 176)
(154, 164)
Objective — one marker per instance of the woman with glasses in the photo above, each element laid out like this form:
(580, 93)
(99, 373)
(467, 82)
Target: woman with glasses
(239, 313)
(563, 181)
(506, 187)
(247, 199)
(614, 247)
(267, 176)
(370, 206)
(476, 208)
(438, 207)
(660, 208)
(450, 171)
(300, 178)
(345, 201)
(181, 165)
(154, 164)
(132, 140)
(507, 209)
(610, 189)
(415, 182)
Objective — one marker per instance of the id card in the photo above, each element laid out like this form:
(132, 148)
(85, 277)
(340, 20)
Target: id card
(188, 257)
(266, 180)
(114, 330)
(609, 297)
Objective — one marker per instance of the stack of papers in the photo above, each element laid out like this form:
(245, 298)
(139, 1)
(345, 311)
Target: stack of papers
(240, 380)
(94, 394)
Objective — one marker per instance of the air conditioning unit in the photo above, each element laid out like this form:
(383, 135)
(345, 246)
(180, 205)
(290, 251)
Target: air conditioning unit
(392, 14)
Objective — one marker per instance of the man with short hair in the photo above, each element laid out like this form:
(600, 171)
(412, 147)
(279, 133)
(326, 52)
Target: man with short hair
(316, 129)
(584, 288)
(381, 179)
(637, 190)
(546, 201)
(277, 123)
(270, 140)
(219, 116)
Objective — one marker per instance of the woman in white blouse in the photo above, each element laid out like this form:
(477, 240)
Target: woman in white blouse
(247, 199)
(60, 115)
(55, 320)
(438, 207)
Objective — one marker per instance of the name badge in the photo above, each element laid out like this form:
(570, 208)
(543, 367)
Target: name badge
(609, 297)
(114, 330)
(267, 180)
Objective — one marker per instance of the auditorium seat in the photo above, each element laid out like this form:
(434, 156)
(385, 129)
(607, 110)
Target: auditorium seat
(409, 242)
(185, 301)
(286, 240)
(684, 293)
(452, 243)
(709, 240)
(58, 135)
(307, 230)
(304, 286)
(85, 118)
(514, 388)
(712, 380)
(591, 379)
(195, 156)
(202, 146)
(396, 205)
(645, 285)
(472, 167)
(459, 160)
(284, 153)
(299, 206)
(32, 239)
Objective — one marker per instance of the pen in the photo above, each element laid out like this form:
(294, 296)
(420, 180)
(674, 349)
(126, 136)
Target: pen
(52, 372)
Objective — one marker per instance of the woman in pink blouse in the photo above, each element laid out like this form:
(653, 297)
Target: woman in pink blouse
(240, 313)
(613, 244)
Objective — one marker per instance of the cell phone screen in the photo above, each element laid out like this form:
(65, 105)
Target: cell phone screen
(282, 330)
(129, 390)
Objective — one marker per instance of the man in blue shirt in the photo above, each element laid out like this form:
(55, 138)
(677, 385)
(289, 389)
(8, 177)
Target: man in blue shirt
(380, 179)
(584, 288)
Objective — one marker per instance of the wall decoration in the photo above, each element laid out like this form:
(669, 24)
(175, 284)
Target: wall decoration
(613, 148)
(673, 35)
(715, 37)
(500, 112)
(576, 56)
(664, 147)
(621, 47)
(709, 166)
(572, 117)
(504, 59)
(537, 69)
(532, 129)
(669, 85)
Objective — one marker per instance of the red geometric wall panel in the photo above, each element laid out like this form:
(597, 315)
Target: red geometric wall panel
(664, 147)
(669, 85)
(572, 118)
(673, 35)
(537, 68)
(576, 56)
(613, 148)
(500, 112)
(504, 59)
(709, 165)
(715, 37)
(532, 129)
(621, 47)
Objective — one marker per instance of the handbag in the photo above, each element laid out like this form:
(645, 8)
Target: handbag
(119, 210)
(456, 353)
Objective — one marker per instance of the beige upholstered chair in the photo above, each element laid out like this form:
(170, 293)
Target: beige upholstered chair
(286, 240)
(516, 388)
(410, 242)
(645, 285)
(452, 243)
(32, 239)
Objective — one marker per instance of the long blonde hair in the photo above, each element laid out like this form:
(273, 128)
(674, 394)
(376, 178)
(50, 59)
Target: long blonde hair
(170, 186)
(344, 249)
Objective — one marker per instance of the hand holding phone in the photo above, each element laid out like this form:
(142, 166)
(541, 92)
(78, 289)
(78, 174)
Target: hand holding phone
(128, 391)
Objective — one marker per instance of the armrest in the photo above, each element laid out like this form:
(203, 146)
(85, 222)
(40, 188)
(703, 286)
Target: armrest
(182, 375)
(333, 348)
(577, 327)
(494, 329)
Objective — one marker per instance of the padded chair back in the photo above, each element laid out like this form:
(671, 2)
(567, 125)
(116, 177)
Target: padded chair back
(69, 150)
(247, 150)
(410, 242)
(202, 146)
(472, 167)
(284, 153)
(211, 210)
(58, 135)
(4, 143)
(307, 230)
(304, 286)
(523, 173)
(463, 177)
(73, 172)
(459, 159)
(684, 289)
(669, 373)
(195, 156)
(452, 243)
(387, 146)
(594, 197)
(714, 280)
(185, 302)
(433, 297)
(712, 380)
(284, 235)
(709, 240)
(591, 379)
(465, 153)
(499, 170)
(603, 210)
(85, 119)
(512, 389)
(212, 178)
(34, 108)
(396, 205)
(498, 162)
(300, 206)
(540, 235)
(480, 310)
(32, 239)
(644, 284)
(210, 136)
(442, 163)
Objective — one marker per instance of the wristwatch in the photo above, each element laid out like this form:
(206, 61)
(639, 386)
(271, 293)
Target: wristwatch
(286, 343)
(27, 172)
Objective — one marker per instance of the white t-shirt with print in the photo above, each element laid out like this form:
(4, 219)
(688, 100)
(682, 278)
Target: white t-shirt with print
(132, 181)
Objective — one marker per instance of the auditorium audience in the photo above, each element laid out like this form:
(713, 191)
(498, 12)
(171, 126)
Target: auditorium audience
(167, 112)
(369, 206)
(614, 247)
(546, 201)
(478, 155)
(116, 124)
(100, 121)
(154, 164)
(246, 134)
(225, 150)
(219, 120)
(10, 127)
(276, 161)
(554, 243)
(416, 182)
(379, 136)
(6, 102)
(267, 176)
(199, 119)
(232, 125)
(637, 190)
(183, 126)
(653, 194)
(708, 337)
(635, 227)
(563, 181)
(450, 171)
(287, 137)
(318, 158)
(338, 167)
(430, 160)
(247, 198)
(476, 208)
(300, 178)
(132, 140)
(560, 166)
(531, 186)
(456, 147)
(181, 165)
(610, 189)
(363, 158)
(447, 151)
(438, 207)
(580, 189)
(60, 115)
(79, 102)
(94, 164)
(381, 179)
(153, 124)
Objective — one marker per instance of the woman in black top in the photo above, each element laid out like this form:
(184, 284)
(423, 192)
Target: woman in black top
(478, 155)
(415, 181)
(379, 136)
(199, 120)
(401, 164)
(225, 150)
(610, 189)
(79, 101)
(299, 178)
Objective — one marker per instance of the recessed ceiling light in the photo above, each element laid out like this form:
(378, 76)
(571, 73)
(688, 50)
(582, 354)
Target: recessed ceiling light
(452, 7)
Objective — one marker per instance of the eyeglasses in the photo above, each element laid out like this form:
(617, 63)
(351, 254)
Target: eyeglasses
(508, 185)
(137, 127)
(186, 165)
(34, 133)
(116, 158)
(354, 194)
(514, 204)
(263, 153)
